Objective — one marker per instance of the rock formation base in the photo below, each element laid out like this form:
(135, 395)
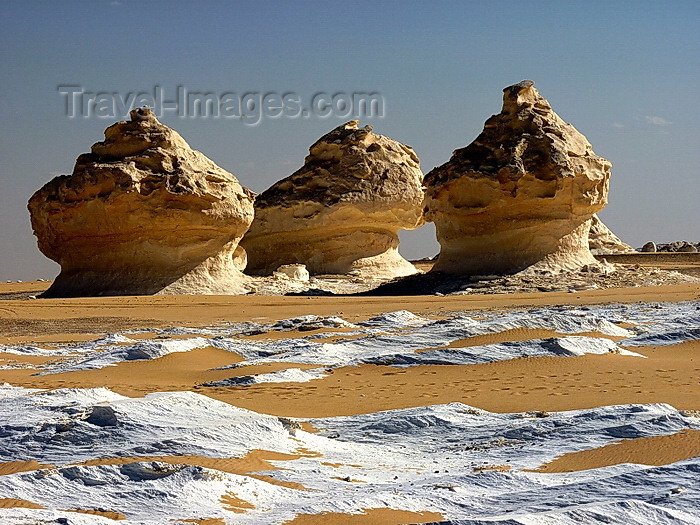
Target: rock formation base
(550, 250)
(373, 253)
(217, 275)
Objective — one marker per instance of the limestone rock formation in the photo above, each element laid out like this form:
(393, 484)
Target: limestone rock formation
(341, 212)
(143, 213)
(602, 241)
(521, 194)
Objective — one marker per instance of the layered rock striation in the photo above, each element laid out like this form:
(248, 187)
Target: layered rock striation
(143, 213)
(342, 210)
(522, 194)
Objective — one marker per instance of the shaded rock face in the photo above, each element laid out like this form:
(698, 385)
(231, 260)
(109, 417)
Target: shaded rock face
(522, 194)
(143, 213)
(341, 212)
(602, 241)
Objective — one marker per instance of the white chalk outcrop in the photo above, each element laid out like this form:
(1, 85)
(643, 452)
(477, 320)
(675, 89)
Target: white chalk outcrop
(522, 194)
(602, 241)
(143, 213)
(295, 272)
(341, 212)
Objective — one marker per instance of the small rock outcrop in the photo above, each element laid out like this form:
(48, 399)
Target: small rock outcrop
(522, 194)
(687, 248)
(143, 213)
(671, 247)
(341, 212)
(678, 247)
(602, 241)
(295, 272)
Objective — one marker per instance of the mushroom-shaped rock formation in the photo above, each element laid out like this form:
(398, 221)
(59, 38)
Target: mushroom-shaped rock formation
(521, 194)
(143, 213)
(341, 212)
(602, 241)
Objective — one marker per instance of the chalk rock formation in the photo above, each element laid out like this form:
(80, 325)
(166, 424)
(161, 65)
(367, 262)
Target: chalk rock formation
(295, 272)
(341, 212)
(602, 241)
(143, 213)
(521, 194)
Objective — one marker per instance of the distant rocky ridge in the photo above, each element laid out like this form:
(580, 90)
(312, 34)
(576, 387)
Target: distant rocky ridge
(143, 213)
(342, 210)
(671, 247)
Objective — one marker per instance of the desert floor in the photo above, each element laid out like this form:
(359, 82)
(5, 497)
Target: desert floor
(669, 374)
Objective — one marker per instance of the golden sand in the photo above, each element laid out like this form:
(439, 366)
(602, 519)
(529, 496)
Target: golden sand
(104, 513)
(656, 450)
(101, 314)
(8, 503)
(235, 504)
(668, 375)
(519, 334)
(368, 517)
(12, 467)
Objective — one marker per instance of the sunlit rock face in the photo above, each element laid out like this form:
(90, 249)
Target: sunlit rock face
(143, 213)
(341, 212)
(522, 194)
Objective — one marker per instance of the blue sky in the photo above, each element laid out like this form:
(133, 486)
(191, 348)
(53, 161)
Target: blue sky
(625, 74)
